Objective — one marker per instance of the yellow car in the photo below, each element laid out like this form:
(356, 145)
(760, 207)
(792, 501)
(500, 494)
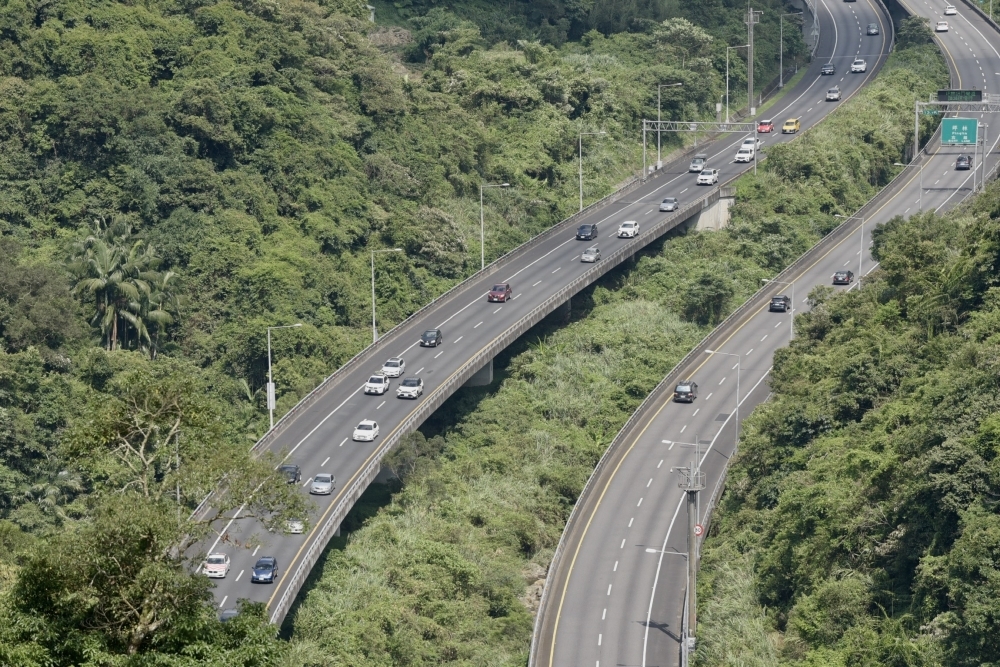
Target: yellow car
(791, 126)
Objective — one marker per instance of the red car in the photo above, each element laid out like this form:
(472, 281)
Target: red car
(500, 292)
(765, 126)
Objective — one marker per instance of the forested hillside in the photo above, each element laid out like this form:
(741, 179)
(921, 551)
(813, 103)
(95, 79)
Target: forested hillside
(860, 524)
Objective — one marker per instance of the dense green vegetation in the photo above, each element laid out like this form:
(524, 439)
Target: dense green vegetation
(436, 575)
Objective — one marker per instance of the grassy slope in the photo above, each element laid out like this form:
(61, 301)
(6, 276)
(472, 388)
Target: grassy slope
(436, 575)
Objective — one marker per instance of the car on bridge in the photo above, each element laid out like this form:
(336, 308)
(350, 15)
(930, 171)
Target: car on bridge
(586, 232)
(668, 205)
(780, 304)
(265, 570)
(500, 292)
(941, 26)
(322, 484)
(410, 388)
(765, 126)
(708, 177)
(216, 566)
(872, 29)
(686, 391)
(366, 431)
(377, 384)
(591, 254)
(833, 95)
(949, 10)
(827, 68)
(628, 229)
(859, 65)
(963, 163)
(744, 154)
(291, 472)
(431, 338)
(791, 126)
(394, 367)
(843, 277)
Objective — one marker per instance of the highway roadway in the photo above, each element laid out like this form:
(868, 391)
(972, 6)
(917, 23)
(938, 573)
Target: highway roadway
(318, 436)
(616, 594)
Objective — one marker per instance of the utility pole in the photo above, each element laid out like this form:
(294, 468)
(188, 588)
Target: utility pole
(694, 482)
(752, 18)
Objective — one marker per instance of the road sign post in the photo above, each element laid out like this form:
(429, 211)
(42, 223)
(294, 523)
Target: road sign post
(959, 132)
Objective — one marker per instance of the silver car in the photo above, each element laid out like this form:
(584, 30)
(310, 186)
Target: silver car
(322, 485)
(592, 254)
(295, 526)
(393, 368)
(669, 204)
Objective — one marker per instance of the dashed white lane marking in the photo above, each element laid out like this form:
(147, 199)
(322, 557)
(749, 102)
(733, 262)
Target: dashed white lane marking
(648, 212)
(751, 350)
(722, 380)
(639, 504)
(477, 326)
(623, 544)
(696, 413)
(515, 296)
(630, 522)
(345, 439)
(497, 310)
(734, 367)
(537, 284)
(762, 339)
(599, 636)
(421, 368)
(649, 482)
(439, 354)
(224, 598)
(684, 190)
(306, 483)
(324, 462)
(240, 575)
(709, 396)
(616, 567)
(906, 211)
(255, 551)
(380, 405)
(459, 338)
(847, 262)
(683, 428)
(777, 325)
(659, 464)
(609, 589)
(605, 614)
(557, 268)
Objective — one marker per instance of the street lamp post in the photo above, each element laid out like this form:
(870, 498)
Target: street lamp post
(781, 47)
(375, 252)
(861, 241)
(270, 378)
(482, 224)
(791, 313)
(580, 144)
(659, 87)
(728, 49)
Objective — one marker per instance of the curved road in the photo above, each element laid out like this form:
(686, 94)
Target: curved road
(616, 596)
(317, 437)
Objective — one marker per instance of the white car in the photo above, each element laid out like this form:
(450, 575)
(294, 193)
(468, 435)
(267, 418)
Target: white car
(708, 177)
(366, 431)
(941, 26)
(628, 229)
(410, 388)
(295, 526)
(377, 384)
(216, 566)
(859, 65)
(744, 154)
(950, 10)
(394, 367)
(752, 143)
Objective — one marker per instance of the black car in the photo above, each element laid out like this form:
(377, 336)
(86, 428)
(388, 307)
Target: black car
(843, 278)
(586, 232)
(686, 392)
(963, 162)
(431, 338)
(265, 570)
(873, 28)
(780, 304)
(828, 68)
(291, 473)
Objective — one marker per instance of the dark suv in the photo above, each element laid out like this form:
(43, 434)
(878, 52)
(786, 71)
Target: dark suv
(963, 162)
(872, 29)
(431, 338)
(686, 392)
(291, 473)
(586, 232)
(828, 68)
(780, 304)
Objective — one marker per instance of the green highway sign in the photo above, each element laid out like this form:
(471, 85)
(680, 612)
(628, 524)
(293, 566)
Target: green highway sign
(959, 131)
(931, 112)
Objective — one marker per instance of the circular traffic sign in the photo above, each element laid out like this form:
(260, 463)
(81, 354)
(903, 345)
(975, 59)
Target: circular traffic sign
(698, 530)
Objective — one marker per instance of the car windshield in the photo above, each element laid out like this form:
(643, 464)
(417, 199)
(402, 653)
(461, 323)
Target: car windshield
(216, 560)
(584, 228)
(499, 288)
(669, 200)
(778, 299)
(698, 160)
(263, 566)
(683, 387)
(392, 363)
(628, 224)
(364, 427)
(288, 469)
(323, 479)
(859, 62)
(429, 334)
(375, 379)
(411, 382)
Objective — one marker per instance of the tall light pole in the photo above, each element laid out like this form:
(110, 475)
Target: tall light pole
(693, 483)
(920, 196)
(580, 143)
(791, 312)
(375, 252)
(861, 241)
(728, 49)
(781, 47)
(270, 378)
(482, 224)
(752, 19)
(660, 87)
